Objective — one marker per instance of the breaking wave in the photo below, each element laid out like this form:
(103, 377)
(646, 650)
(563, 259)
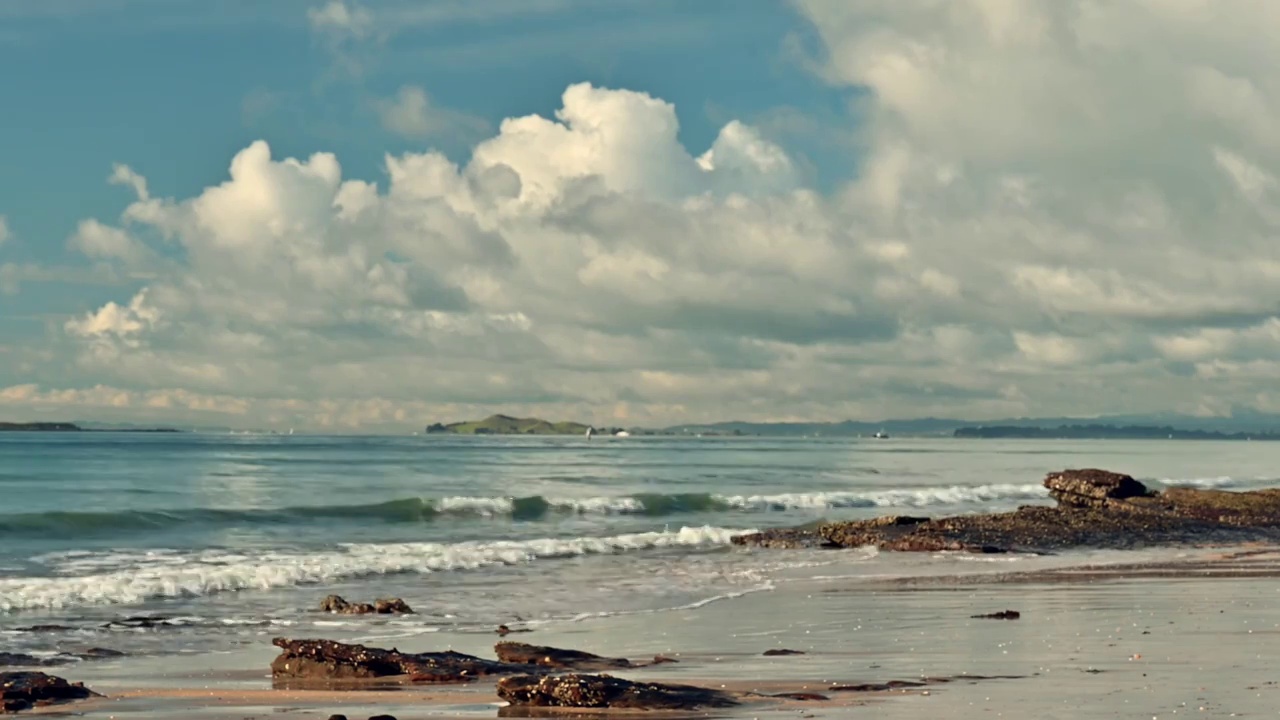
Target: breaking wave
(151, 576)
(535, 507)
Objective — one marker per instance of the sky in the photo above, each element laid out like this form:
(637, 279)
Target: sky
(369, 216)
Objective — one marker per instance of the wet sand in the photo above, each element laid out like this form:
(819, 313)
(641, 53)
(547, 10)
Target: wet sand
(1195, 634)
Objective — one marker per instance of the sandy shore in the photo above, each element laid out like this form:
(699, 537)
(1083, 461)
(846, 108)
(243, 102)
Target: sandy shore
(1192, 634)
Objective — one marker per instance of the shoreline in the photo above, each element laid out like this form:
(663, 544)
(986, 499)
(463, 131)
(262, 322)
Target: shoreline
(850, 630)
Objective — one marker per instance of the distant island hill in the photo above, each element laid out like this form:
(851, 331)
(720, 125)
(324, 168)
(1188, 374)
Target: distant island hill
(507, 425)
(71, 427)
(1105, 432)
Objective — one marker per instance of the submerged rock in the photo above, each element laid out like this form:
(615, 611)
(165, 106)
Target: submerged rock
(8, 659)
(329, 660)
(387, 606)
(26, 690)
(781, 652)
(1002, 615)
(606, 691)
(1096, 508)
(521, 653)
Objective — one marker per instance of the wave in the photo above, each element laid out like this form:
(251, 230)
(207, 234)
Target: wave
(535, 507)
(210, 572)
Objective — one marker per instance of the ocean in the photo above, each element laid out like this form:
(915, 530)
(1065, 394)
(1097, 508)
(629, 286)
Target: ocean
(227, 540)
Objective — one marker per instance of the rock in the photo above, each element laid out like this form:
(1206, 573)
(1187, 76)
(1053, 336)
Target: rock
(520, 653)
(97, 653)
(779, 652)
(145, 622)
(1092, 487)
(606, 691)
(388, 606)
(383, 717)
(878, 687)
(329, 660)
(1096, 509)
(801, 696)
(504, 631)
(26, 690)
(392, 606)
(8, 659)
(1002, 615)
(337, 717)
(783, 539)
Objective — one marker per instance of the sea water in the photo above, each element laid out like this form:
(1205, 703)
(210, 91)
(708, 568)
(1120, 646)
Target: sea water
(221, 540)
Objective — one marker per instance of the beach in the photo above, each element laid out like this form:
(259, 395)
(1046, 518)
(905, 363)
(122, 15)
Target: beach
(1150, 632)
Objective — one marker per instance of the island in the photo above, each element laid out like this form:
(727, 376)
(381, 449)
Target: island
(1105, 432)
(507, 425)
(72, 427)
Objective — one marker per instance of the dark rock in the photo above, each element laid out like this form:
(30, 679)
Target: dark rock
(1096, 509)
(1002, 615)
(329, 660)
(44, 628)
(779, 652)
(8, 659)
(783, 539)
(801, 696)
(144, 622)
(98, 653)
(1092, 487)
(520, 653)
(878, 687)
(504, 631)
(383, 717)
(26, 690)
(337, 717)
(387, 606)
(606, 691)
(392, 606)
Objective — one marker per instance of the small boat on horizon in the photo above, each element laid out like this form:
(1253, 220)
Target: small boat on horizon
(881, 435)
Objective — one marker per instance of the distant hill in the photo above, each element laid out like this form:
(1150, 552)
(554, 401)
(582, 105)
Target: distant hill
(1243, 422)
(507, 425)
(1106, 432)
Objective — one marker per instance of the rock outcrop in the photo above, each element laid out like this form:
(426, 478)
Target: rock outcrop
(26, 690)
(523, 654)
(387, 606)
(606, 691)
(326, 660)
(1095, 508)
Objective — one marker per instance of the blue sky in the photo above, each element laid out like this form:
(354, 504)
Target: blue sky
(175, 88)
(871, 208)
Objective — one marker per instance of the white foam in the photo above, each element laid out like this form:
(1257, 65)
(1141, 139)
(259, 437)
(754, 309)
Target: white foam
(477, 505)
(904, 497)
(1206, 482)
(209, 572)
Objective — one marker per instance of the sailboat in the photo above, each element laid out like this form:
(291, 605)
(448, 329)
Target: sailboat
(881, 435)
(590, 431)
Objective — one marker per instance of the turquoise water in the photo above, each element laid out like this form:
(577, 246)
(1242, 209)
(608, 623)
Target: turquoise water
(227, 537)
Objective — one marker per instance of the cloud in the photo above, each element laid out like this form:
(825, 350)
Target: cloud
(1058, 207)
(5, 233)
(412, 114)
(338, 19)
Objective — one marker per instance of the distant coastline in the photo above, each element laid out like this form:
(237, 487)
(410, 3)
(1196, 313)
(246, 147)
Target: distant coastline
(1104, 432)
(71, 427)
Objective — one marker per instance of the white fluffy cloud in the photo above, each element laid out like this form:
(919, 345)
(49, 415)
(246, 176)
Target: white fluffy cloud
(1060, 207)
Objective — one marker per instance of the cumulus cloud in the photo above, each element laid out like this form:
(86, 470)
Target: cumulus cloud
(1059, 207)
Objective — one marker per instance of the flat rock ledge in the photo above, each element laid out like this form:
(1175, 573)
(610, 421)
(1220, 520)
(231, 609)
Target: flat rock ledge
(27, 690)
(1095, 509)
(327, 661)
(606, 691)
